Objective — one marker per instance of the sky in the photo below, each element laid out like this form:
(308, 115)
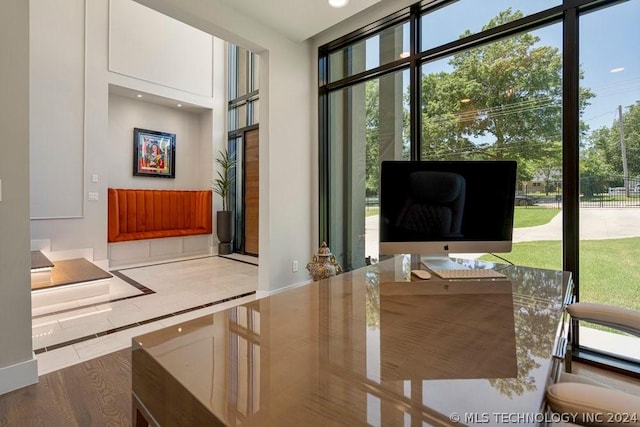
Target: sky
(607, 39)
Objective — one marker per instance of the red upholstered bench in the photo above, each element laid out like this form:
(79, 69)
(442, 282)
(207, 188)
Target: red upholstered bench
(150, 214)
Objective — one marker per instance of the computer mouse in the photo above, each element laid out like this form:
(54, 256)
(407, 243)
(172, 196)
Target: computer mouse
(421, 274)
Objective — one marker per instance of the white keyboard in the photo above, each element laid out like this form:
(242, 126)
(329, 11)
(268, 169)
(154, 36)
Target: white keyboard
(471, 273)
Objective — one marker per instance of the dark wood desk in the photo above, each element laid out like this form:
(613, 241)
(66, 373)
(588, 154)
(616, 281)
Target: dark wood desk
(365, 347)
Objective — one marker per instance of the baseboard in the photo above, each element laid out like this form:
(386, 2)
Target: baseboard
(262, 293)
(19, 375)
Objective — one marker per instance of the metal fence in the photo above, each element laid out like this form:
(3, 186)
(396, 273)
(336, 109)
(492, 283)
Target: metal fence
(609, 192)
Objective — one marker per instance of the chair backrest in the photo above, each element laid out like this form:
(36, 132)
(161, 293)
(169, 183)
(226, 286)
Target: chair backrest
(620, 318)
(435, 205)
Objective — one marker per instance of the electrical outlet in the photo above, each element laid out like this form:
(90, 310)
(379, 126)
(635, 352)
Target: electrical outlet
(93, 196)
(294, 265)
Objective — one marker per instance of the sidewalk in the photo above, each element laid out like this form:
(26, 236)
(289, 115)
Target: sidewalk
(595, 224)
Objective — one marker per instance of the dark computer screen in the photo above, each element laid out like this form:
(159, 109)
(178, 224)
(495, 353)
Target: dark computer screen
(441, 207)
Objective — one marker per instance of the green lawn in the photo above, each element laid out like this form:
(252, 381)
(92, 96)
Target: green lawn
(530, 216)
(609, 270)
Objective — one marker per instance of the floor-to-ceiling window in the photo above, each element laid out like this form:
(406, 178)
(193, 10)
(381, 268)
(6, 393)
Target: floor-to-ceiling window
(243, 146)
(369, 127)
(501, 81)
(503, 101)
(610, 170)
(368, 123)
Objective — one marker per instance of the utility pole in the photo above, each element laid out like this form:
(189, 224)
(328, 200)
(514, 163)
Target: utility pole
(625, 170)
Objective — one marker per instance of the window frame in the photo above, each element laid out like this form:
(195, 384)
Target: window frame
(568, 14)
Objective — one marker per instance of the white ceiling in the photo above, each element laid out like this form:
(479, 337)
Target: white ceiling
(298, 20)
(155, 99)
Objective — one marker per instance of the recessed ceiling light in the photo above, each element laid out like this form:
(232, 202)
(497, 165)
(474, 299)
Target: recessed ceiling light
(338, 3)
(179, 105)
(616, 70)
(139, 96)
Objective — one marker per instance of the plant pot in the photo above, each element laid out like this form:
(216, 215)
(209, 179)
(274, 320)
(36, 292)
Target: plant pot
(224, 229)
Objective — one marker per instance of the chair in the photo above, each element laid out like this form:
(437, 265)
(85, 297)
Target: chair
(435, 204)
(593, 403)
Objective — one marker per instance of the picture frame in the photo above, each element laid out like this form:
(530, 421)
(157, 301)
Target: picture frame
(154, 153)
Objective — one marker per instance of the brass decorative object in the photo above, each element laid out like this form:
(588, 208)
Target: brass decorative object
(323, 264)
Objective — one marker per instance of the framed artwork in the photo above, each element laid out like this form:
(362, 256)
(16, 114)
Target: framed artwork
(154, 153)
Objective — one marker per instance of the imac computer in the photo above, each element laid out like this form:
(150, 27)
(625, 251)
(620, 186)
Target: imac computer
(434, 208)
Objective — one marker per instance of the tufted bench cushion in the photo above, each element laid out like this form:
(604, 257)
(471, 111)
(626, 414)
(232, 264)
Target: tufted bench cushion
(150, 214)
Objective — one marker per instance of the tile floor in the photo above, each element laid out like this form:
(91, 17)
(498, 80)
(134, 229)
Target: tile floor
(141, 299)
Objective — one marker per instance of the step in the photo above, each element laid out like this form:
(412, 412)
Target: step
(71, 280)
(41, 268)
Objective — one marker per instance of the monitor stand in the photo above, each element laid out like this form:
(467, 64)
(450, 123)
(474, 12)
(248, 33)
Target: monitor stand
(441, 262)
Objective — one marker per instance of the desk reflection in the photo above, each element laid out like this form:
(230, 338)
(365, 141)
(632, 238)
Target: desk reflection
(447, 330)
(364, 347)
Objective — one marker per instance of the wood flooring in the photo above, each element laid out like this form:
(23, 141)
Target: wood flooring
(98, 393)
(93, 393)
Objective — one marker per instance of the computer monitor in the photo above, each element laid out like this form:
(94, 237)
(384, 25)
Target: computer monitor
(435, 208)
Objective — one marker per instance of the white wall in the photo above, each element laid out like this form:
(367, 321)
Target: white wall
(57, 108)
(18, 366)
(89, 230)
(218, 117)
(152, 47)
(193, 152)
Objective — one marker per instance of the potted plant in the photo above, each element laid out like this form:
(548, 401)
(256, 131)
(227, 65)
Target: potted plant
(221, 186)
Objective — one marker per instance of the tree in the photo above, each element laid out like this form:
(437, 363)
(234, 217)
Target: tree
(549, 166)
(502, 100)
(372, 135)
(603, 153)
(595, 173)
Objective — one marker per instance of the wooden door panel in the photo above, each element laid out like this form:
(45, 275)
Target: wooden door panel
(251, 192)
